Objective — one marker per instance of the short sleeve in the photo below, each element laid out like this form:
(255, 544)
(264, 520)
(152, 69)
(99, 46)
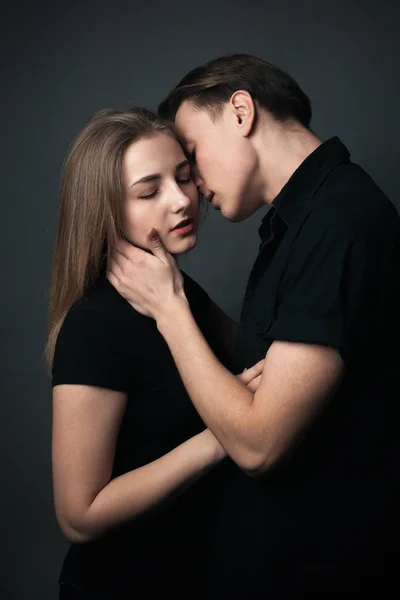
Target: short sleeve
(325, 294)
(91, 350)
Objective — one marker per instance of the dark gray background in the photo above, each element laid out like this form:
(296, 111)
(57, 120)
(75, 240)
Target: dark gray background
(60, 62)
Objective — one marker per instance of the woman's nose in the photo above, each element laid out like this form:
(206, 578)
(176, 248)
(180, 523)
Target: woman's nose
(180, 201)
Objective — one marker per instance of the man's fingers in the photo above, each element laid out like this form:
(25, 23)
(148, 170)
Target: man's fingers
(125, 253)
(115, 262)
(156, 246)
(126, 249)
(112, 279)
(114, 272)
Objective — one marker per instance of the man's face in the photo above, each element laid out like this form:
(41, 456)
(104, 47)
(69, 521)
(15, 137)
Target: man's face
(225, 160)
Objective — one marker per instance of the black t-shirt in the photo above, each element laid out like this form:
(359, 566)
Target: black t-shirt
(322, 521)
(104, 342)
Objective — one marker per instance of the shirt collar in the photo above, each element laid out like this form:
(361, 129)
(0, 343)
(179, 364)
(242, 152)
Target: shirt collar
(297, 193)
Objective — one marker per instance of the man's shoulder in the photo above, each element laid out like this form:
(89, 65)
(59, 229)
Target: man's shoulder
(352, 205)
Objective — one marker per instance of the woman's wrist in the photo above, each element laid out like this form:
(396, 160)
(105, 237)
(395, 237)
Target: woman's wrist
(216, 452)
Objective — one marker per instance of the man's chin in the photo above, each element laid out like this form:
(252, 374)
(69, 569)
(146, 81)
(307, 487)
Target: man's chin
(230, 215)
(229, 211)
(238, 214)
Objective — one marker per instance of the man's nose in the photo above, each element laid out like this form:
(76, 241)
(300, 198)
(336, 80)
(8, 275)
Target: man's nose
(201, 186)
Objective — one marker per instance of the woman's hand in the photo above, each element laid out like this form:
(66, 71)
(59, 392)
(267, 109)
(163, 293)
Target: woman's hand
(252, 377)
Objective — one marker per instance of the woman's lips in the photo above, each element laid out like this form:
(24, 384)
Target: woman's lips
(184, 228)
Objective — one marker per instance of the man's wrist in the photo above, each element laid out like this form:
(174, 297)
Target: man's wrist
(172, 312)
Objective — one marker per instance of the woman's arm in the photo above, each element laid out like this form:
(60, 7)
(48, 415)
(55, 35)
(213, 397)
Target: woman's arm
(86, 422)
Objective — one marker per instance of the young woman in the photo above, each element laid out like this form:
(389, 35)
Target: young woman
(135, 483)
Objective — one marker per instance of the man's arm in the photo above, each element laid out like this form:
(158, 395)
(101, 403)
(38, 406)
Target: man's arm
(255, 430)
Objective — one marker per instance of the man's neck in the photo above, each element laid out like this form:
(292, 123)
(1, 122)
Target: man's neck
(282, 148)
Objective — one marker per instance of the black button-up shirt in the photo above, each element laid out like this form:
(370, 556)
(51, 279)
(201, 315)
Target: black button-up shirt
(327, 273)
(327, 263)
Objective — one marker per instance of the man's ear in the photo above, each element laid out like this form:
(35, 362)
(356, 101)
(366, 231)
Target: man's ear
(244, 111)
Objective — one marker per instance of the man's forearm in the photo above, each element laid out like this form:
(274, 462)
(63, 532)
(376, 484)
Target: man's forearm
(222, 401)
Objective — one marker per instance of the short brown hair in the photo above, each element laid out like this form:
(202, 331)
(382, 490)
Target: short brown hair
(91, 196)
(212, 84)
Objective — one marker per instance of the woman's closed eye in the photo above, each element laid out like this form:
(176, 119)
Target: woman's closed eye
(182, 178)
(184, 174)
(148, 196)
(187, 179)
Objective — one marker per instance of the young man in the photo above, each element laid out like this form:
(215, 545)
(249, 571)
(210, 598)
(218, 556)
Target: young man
(318, 438)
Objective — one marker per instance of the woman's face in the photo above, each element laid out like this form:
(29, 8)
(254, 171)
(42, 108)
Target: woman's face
(159, 193)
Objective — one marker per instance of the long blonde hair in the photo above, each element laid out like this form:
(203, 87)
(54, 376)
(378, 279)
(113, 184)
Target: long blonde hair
(90, 206)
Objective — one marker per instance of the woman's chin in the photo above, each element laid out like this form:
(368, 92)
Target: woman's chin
(183, 245)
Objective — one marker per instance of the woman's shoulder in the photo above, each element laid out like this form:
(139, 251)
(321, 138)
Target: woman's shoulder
(96, 345)
(102, 311)
(103, 298)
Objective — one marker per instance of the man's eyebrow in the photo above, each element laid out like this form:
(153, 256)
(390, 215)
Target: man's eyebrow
(157, 176)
